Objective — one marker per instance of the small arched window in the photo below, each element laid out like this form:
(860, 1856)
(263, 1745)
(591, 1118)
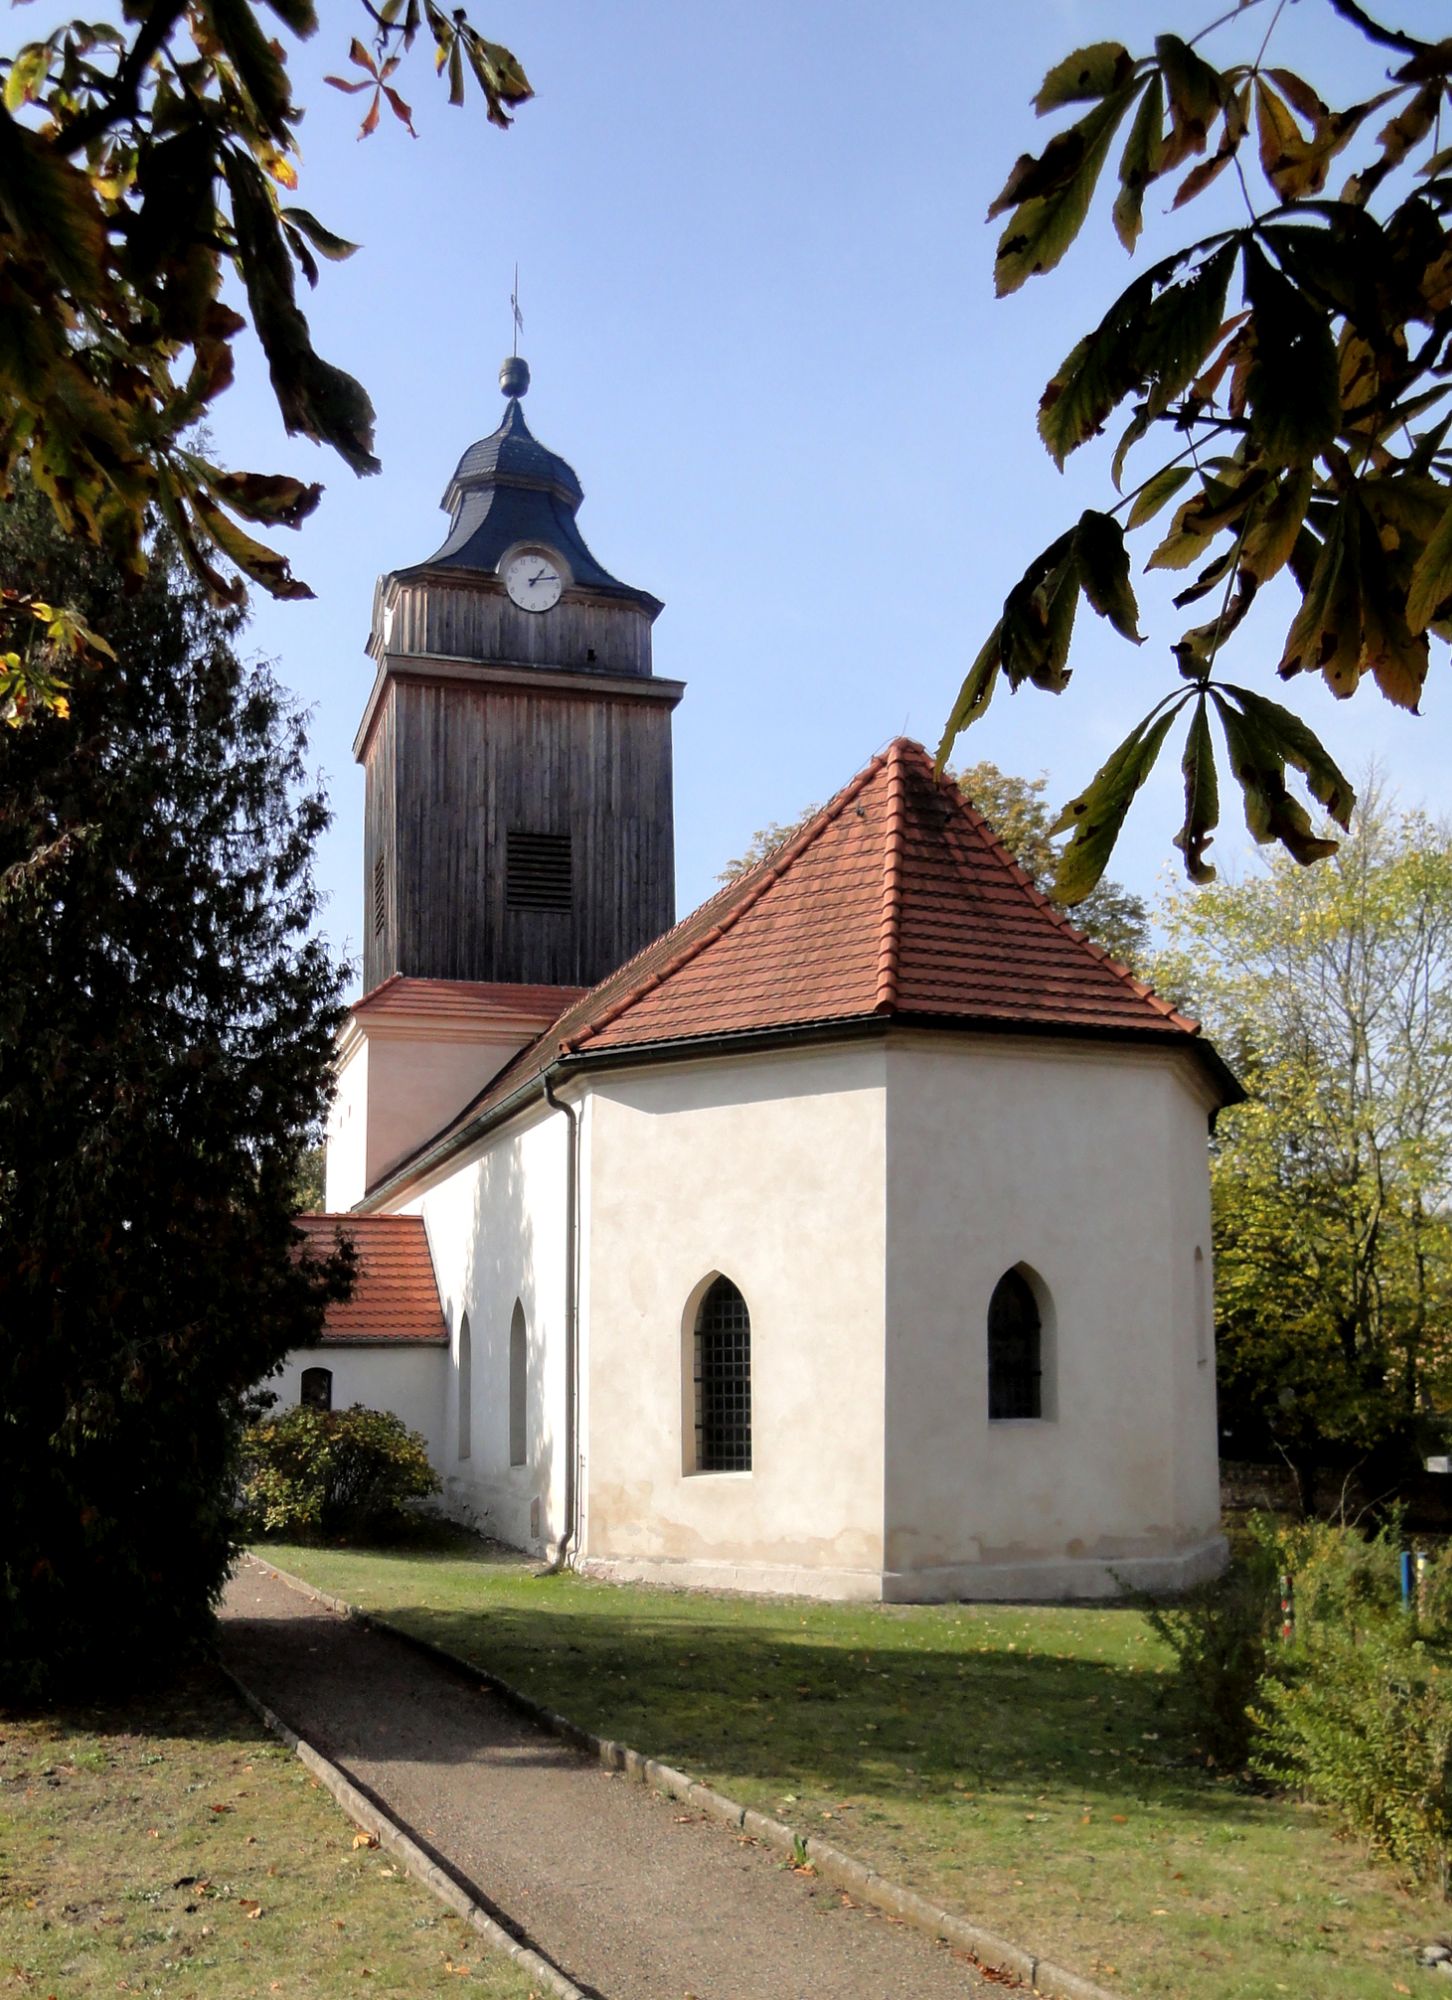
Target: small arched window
(723, 1380)
(518, 1388)
(466, 1388)
(1015, 1349)
(1202, 1309)
(316, 1391)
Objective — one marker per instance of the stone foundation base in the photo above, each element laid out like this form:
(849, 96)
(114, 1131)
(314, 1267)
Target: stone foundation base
(1049, 1581)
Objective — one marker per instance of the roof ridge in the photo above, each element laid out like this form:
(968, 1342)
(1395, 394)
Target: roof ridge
(751, 888)
(890, 932)
(995, 844)
(374, 991)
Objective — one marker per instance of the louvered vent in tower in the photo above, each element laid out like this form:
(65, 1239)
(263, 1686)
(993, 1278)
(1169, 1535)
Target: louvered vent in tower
(537, 871)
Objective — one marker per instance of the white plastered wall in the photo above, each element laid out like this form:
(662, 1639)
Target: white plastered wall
(768, 1169)
(409, 1380)
(496, 1229)
(396, 1090)
(1087, 1166)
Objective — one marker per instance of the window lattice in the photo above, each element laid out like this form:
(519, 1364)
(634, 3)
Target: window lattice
(723, 1381)
(316, 1389)
(380, 897)
(1015, 1373)
(537, 873)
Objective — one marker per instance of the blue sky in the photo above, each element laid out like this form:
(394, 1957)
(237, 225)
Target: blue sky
(757, 288)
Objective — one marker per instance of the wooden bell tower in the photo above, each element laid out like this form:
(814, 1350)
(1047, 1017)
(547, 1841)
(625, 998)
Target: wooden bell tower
(516, 745)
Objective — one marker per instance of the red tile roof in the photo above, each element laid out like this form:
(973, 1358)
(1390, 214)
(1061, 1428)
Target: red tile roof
(897, 899)
(395, 1295)
(896, 902)
(465, 999)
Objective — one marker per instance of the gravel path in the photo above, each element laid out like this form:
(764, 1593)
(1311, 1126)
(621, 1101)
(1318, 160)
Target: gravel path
(629, 1894)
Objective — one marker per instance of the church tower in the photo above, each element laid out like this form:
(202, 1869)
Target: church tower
(516, 745)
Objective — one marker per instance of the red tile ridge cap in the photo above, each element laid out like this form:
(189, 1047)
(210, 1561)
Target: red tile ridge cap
(890, 933)
(767, 872)
(374, 991)
(983, 827)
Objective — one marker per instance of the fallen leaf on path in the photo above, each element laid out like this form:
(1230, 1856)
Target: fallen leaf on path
(365, 1840)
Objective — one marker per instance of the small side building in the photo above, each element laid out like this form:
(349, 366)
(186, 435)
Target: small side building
(386, 1347)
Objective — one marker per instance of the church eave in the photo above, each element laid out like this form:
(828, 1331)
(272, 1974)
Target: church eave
(1224, 1086)
(563, 682)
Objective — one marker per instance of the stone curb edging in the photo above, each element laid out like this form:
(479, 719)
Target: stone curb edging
(390, 1835)
(843, 1871)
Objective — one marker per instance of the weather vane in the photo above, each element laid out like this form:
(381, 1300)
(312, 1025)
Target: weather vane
(514, 309)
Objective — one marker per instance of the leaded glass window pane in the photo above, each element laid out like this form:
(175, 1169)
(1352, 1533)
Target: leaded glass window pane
(723, 1381)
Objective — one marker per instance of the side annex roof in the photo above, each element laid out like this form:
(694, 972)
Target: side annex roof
(395, 1300)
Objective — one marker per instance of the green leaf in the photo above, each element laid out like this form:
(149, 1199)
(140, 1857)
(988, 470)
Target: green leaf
(1038, 616)
(51, 209)
(1090, 72)
(1156, 491)
(323, 240)
(1259, 769)
(1097, 815)
(1140, 163)
(257, 61)
(1104, 567)
(1195, 91)
(315, 399)
(1134, 430)
(1100, 370)
(1181, 328)
(1043, 226)
(1300, 746)
(1202, 797)
(1293, 391)
(262, 564)
(974, 695)
(258, 496)
(1432, 578)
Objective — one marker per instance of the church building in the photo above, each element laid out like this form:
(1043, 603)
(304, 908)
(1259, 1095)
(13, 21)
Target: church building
(849, 1237)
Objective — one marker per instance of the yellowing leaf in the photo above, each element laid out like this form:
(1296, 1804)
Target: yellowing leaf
(1432, 578)
(1089, 73)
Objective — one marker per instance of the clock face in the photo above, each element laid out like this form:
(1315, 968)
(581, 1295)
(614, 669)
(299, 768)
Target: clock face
(533, 580)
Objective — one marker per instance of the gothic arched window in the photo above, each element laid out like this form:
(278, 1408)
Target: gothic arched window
(1015, 1349)
(518, 1388)
(316, 1390)
(723, 1380)
(466, 1388)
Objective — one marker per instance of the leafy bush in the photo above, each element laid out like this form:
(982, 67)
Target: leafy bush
(1356, 1710)
(1220, 1633)
(1362, 1722)
(332, 1472)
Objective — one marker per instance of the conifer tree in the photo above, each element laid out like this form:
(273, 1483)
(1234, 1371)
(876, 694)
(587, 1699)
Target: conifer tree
(166, 1021)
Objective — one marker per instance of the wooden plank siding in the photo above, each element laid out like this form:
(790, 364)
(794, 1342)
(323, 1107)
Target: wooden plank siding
(446, 614)
(453, 767)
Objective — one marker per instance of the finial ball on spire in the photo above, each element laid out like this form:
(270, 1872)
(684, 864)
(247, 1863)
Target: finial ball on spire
(514, 375)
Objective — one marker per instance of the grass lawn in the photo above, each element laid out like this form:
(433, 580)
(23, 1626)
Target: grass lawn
(1026, 1767)
(172, 1847)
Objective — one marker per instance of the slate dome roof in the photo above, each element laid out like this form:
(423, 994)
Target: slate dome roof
(509, 488)
(513, 454)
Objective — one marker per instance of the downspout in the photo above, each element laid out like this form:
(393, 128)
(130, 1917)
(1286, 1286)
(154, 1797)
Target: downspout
(572, 1323)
